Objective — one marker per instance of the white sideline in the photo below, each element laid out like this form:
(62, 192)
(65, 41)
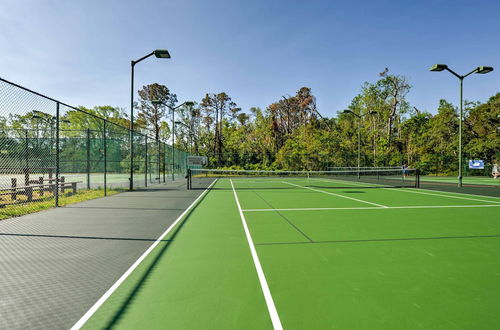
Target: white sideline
(333, 194)
(273, 313)
(370, 208)
(449, 196)
(457, 193)
(428, 191)
(115, 286)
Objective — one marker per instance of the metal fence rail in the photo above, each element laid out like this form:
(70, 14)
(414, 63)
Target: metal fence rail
(49, 150)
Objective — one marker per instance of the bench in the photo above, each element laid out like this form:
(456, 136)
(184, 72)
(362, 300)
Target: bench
(38, 186)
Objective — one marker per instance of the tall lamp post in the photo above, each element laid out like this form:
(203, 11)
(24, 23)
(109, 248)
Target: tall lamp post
(359, 131)
(159, 53)
(479, 70)
(172, 109)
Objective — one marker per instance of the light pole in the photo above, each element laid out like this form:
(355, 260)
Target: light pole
(359, 131)
(172, 109)
(480, 70)
(159, 53)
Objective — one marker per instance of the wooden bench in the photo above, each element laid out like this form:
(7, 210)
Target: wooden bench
(38, 186)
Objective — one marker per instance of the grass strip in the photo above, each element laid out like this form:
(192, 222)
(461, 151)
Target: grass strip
(17, 210)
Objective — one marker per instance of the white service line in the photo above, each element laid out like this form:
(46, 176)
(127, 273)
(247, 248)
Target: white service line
(129, 271)
(333, 194)
(273, 313)
(370, 208)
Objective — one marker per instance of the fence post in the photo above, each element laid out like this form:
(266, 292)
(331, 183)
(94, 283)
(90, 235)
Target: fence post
(131, 185)
(158, 159)
(56, 189)
(146, 163)
(164, 161)
(88, 158)
(26, 159)
(105, 160)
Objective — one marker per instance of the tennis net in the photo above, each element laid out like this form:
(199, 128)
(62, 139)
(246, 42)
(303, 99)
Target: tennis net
(355, 168)
(250, 179)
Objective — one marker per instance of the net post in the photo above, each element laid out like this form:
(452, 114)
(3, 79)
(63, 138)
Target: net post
(188, 176)
(417, 179)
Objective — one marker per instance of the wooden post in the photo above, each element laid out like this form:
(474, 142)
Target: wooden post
(73, 186)
(29, 193)
(13, 195)
(62, 183)
(26, 176)
(40, 182)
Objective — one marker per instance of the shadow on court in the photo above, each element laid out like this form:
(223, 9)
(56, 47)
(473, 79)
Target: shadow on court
(57, 263)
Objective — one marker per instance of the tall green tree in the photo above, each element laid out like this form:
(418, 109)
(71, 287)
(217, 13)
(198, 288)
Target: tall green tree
(151, 115)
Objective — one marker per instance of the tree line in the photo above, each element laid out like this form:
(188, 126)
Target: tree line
(292, 134)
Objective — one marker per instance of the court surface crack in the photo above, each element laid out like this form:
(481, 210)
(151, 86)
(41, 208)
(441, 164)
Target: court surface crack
(285, 218)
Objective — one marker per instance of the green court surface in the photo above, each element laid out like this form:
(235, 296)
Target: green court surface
(256, 254)
(473, 180)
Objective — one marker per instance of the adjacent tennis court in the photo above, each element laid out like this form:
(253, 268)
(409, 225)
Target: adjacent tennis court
(315, 252)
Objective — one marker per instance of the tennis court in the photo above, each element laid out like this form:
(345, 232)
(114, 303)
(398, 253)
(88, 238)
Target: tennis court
(315, 253)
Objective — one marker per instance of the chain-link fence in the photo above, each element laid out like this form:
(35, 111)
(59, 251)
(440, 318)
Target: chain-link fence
(51, 152)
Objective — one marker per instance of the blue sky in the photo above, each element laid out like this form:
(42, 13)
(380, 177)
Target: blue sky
(256, 51)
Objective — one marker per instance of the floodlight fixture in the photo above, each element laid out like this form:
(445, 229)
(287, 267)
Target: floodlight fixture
(484, 69)
(438, 67)
(162, 53)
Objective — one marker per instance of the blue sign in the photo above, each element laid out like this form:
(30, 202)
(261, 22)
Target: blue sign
(476, 164)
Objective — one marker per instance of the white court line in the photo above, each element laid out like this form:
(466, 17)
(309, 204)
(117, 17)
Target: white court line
(333, 194)
(129, 271)
(449, 196)
(450, 192)
(369, 208)
(273, 313)
(428, 191)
